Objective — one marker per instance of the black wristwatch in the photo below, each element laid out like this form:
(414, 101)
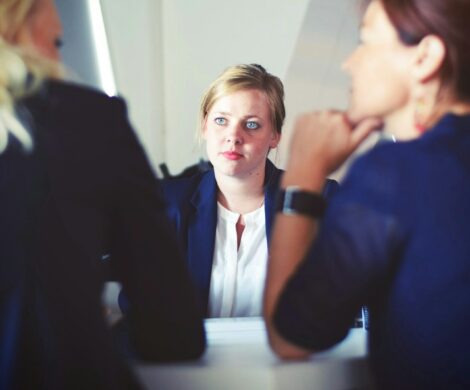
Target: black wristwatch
(292, 200)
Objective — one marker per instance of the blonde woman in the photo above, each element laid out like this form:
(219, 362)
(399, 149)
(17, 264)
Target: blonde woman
(74, 186)
(223, 217)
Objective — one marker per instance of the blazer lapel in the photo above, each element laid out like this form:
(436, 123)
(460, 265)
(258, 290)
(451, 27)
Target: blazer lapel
(272, 176)
(201, 234)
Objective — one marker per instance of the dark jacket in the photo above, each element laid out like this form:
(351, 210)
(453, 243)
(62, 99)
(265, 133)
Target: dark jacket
(85, 193)
(192, 209)
(395, 237)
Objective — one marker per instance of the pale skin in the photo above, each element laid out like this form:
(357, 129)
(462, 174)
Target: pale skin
(42, 31)
(323, 140)
(239, 134)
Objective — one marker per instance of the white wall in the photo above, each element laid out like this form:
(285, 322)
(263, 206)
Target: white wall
(135, 42)
(314, 79)
(201, 38)
(166, 52)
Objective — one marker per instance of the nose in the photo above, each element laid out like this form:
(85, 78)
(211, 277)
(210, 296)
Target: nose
(234, 134)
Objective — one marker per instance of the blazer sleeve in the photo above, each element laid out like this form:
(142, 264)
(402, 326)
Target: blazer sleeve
(164, 320)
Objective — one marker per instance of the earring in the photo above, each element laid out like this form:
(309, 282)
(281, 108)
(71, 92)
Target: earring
(420, 116)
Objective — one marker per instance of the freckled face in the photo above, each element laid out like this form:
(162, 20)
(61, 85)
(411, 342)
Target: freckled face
(239, 133)
(379, 68)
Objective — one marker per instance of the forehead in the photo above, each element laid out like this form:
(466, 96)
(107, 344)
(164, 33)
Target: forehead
(252, 101)
(376, 20)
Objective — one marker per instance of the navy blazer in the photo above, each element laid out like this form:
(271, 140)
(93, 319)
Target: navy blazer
(395, 237)
(85, 190)
(192, 208)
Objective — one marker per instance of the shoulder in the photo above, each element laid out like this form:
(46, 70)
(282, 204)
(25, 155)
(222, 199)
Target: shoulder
(77, 113)
(78, 93)
(272, 174)
(179, 191)
(76, 100)
(378, 178)
(385, 162)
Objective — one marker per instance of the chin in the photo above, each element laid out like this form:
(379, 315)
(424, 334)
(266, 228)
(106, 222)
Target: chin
(355, 116)
(226, 169)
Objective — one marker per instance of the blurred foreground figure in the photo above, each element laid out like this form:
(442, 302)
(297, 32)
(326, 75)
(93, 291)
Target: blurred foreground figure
(75, 186)
(395, 236)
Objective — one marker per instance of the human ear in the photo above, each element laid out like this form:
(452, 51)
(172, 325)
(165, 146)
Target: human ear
(430, 55)
(276, 137)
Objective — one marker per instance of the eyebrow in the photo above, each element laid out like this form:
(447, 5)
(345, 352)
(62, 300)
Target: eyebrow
(229, 114)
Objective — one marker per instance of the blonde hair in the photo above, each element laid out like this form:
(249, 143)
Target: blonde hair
(21, 70)
(242, 77)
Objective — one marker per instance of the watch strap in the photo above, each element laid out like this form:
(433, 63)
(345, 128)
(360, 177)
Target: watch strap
(292, 201)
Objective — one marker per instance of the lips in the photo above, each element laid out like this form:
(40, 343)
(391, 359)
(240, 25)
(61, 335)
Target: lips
(232, 155)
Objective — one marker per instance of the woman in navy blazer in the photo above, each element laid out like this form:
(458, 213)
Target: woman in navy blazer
(242, 108)
(396, 235)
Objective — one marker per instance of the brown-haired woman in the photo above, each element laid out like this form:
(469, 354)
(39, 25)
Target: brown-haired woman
(395, 237)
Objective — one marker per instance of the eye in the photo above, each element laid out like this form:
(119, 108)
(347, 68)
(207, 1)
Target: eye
(220, 121)
(252, 125)
(58, 42)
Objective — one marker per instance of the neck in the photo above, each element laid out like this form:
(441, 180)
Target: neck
(401, 124)
(241, 195)
(438, 103)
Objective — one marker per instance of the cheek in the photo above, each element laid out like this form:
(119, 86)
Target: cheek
(262, 148)
(211, 141)
(394, 86)
(381, 87)
(211, 136)
(45, 45)
(210, 151)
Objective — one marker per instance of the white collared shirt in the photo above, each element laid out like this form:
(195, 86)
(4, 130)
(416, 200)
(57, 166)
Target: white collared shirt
(238, 276)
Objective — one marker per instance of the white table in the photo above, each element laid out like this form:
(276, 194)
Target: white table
(238, 357)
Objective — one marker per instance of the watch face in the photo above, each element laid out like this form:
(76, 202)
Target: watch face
(288, 204)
